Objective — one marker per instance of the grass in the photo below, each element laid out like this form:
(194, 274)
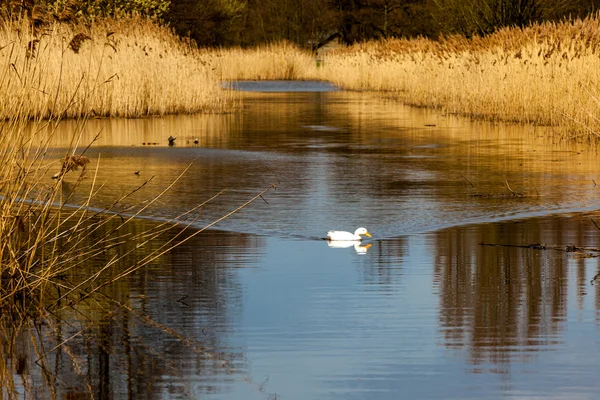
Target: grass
(275, 61)
(543, 74)
(57, 258)
(122, 68)
(128, 68)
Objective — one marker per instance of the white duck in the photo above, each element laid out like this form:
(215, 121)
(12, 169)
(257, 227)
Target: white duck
(343, 235)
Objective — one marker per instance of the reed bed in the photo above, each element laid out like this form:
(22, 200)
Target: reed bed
(125, 68)
(543, 74)
(54, 254)
(277, 61)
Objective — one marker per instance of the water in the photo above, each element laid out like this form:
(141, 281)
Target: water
(341, 161)
(263, 309)
(280, 86)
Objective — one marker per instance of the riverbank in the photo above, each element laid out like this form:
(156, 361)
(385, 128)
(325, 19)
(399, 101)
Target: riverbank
(545, 74)
(124, 68)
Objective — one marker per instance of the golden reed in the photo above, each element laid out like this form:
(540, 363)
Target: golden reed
(126, 68)
(544, 74)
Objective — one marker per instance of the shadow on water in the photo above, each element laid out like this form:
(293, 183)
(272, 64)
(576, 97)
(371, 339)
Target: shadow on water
(231, 315)
(263, 310)
(342, 160)
(161, 331)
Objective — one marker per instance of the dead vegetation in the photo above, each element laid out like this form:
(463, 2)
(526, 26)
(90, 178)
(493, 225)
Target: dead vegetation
(46, 241)
(48, 246)
(129, 68)
(543, 74)
(510, 194)
(575, 251)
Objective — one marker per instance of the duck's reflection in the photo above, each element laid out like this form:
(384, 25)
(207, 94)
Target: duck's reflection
(344, 244)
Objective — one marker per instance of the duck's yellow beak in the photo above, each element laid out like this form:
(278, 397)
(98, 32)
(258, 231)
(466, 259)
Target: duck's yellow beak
(368, 234)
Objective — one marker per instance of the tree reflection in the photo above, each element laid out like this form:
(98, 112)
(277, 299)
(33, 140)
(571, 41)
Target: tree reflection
(504, 302)
(132, 338)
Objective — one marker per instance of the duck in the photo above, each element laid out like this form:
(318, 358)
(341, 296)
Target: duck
(343, 235)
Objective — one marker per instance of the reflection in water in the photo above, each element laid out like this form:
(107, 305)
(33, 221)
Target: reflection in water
(160, 332)
(340, 159)
(344, 244)
(273, 313)
(502, 303)
(237, 316)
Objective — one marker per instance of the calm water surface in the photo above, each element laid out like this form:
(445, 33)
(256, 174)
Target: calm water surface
(262, 309)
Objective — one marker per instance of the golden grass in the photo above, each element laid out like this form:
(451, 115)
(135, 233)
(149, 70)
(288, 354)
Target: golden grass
(544, 74)
(268, 62)
(42, 237)
(126, 68)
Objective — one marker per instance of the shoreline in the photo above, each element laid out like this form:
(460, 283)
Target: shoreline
(540, 75)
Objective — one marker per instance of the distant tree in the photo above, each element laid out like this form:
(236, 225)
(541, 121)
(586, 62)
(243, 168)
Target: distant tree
(88, 9)
(480, 17)
(208, 22)
(359, 20)
(305, 22)
(296, 21)
(399, 18)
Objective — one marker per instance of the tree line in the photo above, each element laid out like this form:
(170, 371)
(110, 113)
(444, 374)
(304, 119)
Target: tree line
(306, 22)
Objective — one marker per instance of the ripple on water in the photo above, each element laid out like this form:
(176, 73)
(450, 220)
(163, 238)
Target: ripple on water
(270, 311)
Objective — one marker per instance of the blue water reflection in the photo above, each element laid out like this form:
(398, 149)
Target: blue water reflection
(264, 308)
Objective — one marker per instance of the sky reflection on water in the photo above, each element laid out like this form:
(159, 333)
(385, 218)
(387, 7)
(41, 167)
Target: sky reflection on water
(266, 309)
(437, 315)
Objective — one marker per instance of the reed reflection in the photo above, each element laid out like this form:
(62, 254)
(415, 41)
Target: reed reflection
(505, 303)
(163, 330)
(384, 267)
(336, 156)
(210, 130)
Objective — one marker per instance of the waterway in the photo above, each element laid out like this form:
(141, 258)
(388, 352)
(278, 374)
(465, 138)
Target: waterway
(261, 307)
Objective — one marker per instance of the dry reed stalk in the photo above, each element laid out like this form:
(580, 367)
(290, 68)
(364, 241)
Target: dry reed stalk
(544, 74)
(129, 68)
(278, 61)
(40, 237)
(532, 75)
(42, 240)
